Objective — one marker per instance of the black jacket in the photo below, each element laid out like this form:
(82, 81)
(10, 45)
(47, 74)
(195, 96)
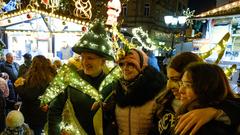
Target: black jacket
(2, 111)
(30, 108)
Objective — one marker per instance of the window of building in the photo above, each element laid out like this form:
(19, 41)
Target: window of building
(124, 10)
(146, 10)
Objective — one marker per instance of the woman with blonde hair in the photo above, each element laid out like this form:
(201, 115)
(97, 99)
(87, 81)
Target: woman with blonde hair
(38, 77)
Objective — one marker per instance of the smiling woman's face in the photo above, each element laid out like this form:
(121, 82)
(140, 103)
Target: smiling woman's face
(129, 71)
(173, 81)
(186, 91)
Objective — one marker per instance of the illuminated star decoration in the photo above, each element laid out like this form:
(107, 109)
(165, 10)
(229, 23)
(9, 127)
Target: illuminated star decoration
(83, 9)
(189, 14)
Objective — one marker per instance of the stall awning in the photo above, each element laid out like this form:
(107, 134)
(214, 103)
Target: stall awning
(228, 10)
(38, 21)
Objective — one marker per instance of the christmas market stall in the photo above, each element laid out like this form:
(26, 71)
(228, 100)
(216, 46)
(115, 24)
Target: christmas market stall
(220, 37)
(48, 27)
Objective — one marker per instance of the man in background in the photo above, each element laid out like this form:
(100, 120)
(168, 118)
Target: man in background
(25, 66)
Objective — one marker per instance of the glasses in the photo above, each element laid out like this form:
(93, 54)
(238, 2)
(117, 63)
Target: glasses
(126, 64)
(186, 84)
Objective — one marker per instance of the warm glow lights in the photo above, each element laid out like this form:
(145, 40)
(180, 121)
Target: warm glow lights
(220, 9)
(10, 15)
(69, 77)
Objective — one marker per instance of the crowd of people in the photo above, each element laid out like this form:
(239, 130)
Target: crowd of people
(193, 97)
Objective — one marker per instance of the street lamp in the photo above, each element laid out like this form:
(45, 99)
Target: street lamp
(174, 22)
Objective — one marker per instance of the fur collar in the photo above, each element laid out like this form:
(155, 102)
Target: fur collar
(143, 89)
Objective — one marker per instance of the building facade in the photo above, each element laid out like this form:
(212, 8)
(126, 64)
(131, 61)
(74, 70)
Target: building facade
(149, 14)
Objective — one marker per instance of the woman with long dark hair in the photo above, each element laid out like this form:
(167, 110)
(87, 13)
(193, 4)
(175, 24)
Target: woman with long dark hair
(39, 75)
(205, 85)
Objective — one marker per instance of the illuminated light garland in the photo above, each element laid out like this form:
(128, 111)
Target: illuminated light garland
(120, 52)
(83, 9)
(137, 32)
(10, 15)
(113, 75)
(33, 4)
(53, 4)
(221, 9)
(46, 32)
(220, 48)
(122, 38)
(67, 76)
(229, 71)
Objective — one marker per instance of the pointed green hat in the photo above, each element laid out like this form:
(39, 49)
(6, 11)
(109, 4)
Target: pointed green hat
(95, 41)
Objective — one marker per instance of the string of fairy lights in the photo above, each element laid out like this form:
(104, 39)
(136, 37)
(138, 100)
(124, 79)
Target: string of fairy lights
(67, 76)
(77, 21)
(220, 9)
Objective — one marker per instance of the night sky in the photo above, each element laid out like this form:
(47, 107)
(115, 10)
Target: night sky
(201, 5)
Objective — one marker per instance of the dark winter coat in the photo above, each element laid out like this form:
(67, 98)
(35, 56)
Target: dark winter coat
(24, 68)
(30, 108)
(9, 69)
(2, 111)
(136, 109)
(217, 126)
(81, 102)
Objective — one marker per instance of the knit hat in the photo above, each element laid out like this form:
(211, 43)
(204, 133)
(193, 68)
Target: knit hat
(136, 57)
(95, 41)
(27, 56)
(14, 119)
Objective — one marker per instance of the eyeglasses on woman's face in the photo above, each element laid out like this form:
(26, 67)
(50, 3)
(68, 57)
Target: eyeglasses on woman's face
(129, 70)
(186, 84)
(126, 65)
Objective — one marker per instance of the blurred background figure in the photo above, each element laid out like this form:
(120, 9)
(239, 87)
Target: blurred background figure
(10, 67)
(2, 111)
(11, 99)
(25, 66)
(152, 60)
(15, 124)
(2, 58)
(29, 88)
(75, 61)
(57, 64)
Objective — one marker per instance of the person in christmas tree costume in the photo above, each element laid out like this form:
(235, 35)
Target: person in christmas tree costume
(85, 88)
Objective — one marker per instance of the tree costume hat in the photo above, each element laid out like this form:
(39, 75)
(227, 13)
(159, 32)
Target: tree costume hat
(95, 41)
